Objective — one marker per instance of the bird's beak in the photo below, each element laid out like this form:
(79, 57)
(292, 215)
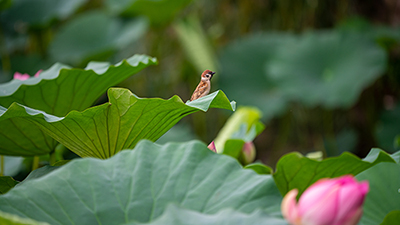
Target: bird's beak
(212, 73)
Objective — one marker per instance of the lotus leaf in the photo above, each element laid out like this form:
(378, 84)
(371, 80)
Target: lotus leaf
(138, 186)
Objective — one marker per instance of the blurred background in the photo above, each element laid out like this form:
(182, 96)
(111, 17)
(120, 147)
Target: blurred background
(323, 74)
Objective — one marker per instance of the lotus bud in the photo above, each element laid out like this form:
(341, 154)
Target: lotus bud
(335, 201)
(248, 153)
(211, 146)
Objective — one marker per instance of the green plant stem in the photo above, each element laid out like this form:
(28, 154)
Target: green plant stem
(52, 160)
(1, 165)
(5, 58)
(35, 163)
(283, 134)
(329, 132)
(40, 40)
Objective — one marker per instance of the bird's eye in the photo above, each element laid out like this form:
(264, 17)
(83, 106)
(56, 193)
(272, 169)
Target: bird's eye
(207, 76)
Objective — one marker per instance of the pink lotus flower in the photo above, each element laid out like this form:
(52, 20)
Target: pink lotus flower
(25, 76)
(211, 146)
(335, 201)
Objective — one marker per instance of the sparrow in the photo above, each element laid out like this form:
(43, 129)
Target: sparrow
(204, 86)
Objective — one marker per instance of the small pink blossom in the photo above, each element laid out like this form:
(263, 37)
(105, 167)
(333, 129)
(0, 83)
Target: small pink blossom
(335, 201)
(211, 146)
(25, 76)
(38, 73)
(20, 76)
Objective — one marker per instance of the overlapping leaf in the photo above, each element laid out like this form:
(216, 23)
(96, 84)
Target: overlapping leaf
(157, 11)
(392, 218)
(104, 130)
(20, 137)
(180, 216)
(243, 77)
(383, 196)
(327, 68)
(6, 183)
(138, 185)
(259, 168)
(39, 12)
(295, 171)
(57, 91)
(100, 35)
(61, 89)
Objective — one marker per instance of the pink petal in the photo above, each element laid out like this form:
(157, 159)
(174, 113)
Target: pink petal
(364, 187)
(20, 76)
(38, 73)
(289, 207)
(314, 193)
(346, 179)
(351, 197)
(352, 218)
(211, 146)
(333, 201)
(324, 210)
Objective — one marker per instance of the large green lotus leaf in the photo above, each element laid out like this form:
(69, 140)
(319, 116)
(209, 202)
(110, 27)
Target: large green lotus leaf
(383, 196)
(180, 216)
(138, 185)
(327, 68)
(243, 72)
(10, 219)
(100, 35)
(158, 11)
(377, 155)
(20, 137)
(396, 157)
(38, 12)
(295, 171)
(104, 130)
(61, 89)
(57, 91)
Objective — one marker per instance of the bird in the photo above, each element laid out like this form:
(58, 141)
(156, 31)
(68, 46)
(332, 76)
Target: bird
(204, 86)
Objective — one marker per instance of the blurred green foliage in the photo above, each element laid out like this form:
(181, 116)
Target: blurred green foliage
(324, 74)
(106, 36)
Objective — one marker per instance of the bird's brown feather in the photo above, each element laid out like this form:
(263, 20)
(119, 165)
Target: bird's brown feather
(200, 91)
